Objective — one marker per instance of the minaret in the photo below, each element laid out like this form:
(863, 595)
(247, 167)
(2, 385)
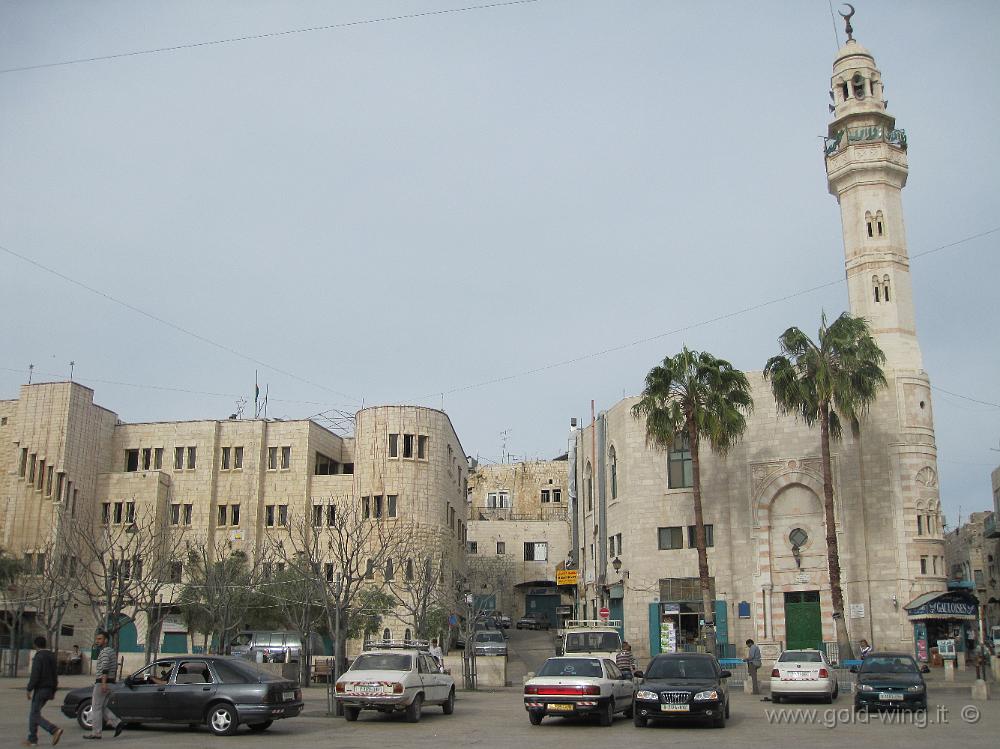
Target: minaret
(866, 170)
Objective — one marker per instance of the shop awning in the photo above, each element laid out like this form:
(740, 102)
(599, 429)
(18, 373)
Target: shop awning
(943, 604)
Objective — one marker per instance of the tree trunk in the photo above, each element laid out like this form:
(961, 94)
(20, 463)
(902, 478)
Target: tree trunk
(844, 650)
(700, 542)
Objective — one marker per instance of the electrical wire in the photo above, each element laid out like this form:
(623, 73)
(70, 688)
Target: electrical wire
(268, 35)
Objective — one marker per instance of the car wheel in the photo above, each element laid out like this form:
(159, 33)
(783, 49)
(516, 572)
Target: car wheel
(83, 716)
(639, 721)
(836, 691)
(261, 726)
(607, 714)
(449, 704)
(720, 722)
(535, 717)
(222, 719)
(351, 713)
(414, 708)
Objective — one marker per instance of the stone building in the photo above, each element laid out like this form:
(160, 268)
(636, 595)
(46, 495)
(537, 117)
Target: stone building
(239, 482)
(519, 535)
(763, 502)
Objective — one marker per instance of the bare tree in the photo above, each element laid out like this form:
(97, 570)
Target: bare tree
(50, 589)
(12, 575)
(425, 584)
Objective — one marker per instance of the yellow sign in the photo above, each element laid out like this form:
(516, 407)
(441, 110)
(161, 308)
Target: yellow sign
(567, 577)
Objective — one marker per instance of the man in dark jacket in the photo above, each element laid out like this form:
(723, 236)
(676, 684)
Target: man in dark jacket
(42, 685)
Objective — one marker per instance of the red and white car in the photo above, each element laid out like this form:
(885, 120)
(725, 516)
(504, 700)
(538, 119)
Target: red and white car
(575, 686)
(803, 673)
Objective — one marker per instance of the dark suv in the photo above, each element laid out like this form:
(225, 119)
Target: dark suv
(682, 685)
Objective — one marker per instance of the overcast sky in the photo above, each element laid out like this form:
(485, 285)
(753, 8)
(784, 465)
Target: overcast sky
(395, 211)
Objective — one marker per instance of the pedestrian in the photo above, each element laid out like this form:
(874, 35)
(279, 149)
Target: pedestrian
(753, 663)
(436, 653)
(106, 670)
(42, 686)
(625, 660)
(866, 649)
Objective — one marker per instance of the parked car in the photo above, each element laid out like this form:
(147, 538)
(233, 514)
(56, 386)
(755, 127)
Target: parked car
(683, 685)
(889, 680)
(283, 646)
(489, 642)
(568, 686)
(395, 677)
(803, 673)
(505, 621)
(596, 637)
(219, 691)
(533, 621)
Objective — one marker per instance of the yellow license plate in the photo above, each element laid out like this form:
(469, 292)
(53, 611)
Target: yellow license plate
(675, 708)
(559, 707)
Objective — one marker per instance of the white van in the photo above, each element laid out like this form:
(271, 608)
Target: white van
(596, 637)
(284, 646)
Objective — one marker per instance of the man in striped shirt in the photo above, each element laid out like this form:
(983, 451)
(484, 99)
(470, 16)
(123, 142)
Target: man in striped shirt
(625, 660)
(106, 669)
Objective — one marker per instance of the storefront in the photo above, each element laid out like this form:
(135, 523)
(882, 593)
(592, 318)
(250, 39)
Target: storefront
(943, 615)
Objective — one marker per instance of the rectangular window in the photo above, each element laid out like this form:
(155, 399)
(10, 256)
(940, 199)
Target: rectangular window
(60, 485)
(923, 565)
(390, 502)
(920, 525)
(545, 496)
(23, 463)
(105, 512)
(131, 461)
(176, 573)
(269, 516)
(556, 495)
(422, 446)
(223, 514)
(286, 458)
(178, 458)
(234, 514)
(366, 507)
(709, 536)
(498, 500)
(370, 569)
(407, 445)
(536, 551)
(377, 506)
(331, 516)
(272, 459)
(501, 547)
(328, 571)
(611, 546)
(188, 508)
(670, 538)
(237, 458)
(325, 466)
(49, 473)
(282, 515)
(225, 458)
(147, 458)
(41, 474)
(192, 458)
(473, 547)
(119, 509)
(317, 516)
(31, 469)
(679, 472)
(175, 514)
(157, 458)
(130, 512)
(393, 445)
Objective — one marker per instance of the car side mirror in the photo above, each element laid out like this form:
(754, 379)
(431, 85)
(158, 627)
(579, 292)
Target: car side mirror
(725, 674)
(637, 674)
(130, 682)
(854, 669)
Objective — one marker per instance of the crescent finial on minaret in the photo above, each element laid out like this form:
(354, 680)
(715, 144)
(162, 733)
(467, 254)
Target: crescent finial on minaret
(847, 19)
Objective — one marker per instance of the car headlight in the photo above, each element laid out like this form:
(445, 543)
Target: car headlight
(915, 688)
(865, 688)
(708, 694)
(645, 694)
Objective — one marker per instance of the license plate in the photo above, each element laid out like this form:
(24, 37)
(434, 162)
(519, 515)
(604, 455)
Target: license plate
(367, 689)
(890, 696)
(288, 696)
(559, 707)
(674, 708)
(798, 675)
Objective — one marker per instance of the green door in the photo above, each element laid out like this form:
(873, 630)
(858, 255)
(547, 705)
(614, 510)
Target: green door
(803, 623)
(618, 613)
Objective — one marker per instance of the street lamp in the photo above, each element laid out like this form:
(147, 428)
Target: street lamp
(617, 564)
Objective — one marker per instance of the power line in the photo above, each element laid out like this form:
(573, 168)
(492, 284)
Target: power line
(685, 328)
(966, 397)
(173, 325)
(268, 35)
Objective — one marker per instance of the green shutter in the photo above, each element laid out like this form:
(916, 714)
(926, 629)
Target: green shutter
(721, 623)
(654, 628)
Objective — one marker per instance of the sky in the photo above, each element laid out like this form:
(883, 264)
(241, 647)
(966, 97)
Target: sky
(507, 211)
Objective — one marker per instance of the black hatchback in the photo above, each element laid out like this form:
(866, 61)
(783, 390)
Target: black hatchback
(682, 685)
(220, 692)
(889, 680)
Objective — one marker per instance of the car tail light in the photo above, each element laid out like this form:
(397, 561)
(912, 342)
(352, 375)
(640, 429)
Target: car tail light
(340, 686)
(824, 674)
(563, 691)
(775, 673)
(397, 688)
(531, 690)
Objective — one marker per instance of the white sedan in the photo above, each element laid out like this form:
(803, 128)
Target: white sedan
(572, 686)
(803, 673)
(395, 679)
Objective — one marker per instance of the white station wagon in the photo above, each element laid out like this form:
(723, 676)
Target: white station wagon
(395, 677)
(803, 673)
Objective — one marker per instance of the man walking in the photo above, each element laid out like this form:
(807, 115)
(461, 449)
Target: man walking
(753, 663)
(625, 660)
(106, 669)
(42, 685)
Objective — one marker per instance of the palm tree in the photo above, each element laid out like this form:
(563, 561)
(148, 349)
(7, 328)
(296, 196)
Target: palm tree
(698, 396)
(831, 381)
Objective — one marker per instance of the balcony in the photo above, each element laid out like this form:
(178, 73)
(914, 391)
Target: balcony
(990, 529)
(544, 514)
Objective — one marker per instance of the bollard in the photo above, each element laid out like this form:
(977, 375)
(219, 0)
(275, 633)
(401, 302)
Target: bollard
(949, 670)
(995, 666)
(980, 690)
(748, 686)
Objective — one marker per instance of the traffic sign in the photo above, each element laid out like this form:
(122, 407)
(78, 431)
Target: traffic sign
(604, 613)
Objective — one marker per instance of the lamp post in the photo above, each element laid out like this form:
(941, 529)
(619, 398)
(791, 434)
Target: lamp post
(332, 706)
(469, 655)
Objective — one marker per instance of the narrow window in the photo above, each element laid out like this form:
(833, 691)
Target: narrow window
(407, 445)
(390, 572)
(613, 461)
(679, 471)
(286, 458)
(147, 458)
(223, 514)
(130, 512)
(187, 513)
(157, 458)
(234, 514)
(225, 459)
(23, 464)
(41, 475)
(878, 288)
(238, 458)
(473, 547)
(119, 509)
(391, 505)
(370, 569)
(920, 525)
(557, 495)
(501, 548)
(178, 458)
(49, 472)
(923, 565)
(328, 571)
(422, 446)
(588, 485)
(871, 231)
(269, 516)
(105, 512)
(885, 287)
(377, 502)
(60, 485)
(545, 496)
(282, 515)
(31, 469)
(331, 516)
(192, 458)
(409, 569)
(272, 459)
(317, 516)
(366, 507)
(879, 223)
(175, 514)
(131, 461)
(393, 445)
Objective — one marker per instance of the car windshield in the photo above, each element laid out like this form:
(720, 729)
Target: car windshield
(571, 667)
(800, 656)
(681, 668)
(382, 662)
(489, 637)
(590, 642)
(896, 664)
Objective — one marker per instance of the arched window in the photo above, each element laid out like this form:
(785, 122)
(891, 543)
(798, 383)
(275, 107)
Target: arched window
(879, 224)
(390, 573)
(588, 485)
(870, 224)
(406, 635)
(613, 463)
(878, 289)
(386, 634)
(885, 287)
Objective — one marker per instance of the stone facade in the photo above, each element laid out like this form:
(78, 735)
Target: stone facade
(887, 505)
(971, 553)
(511, 506)
(243, 482)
